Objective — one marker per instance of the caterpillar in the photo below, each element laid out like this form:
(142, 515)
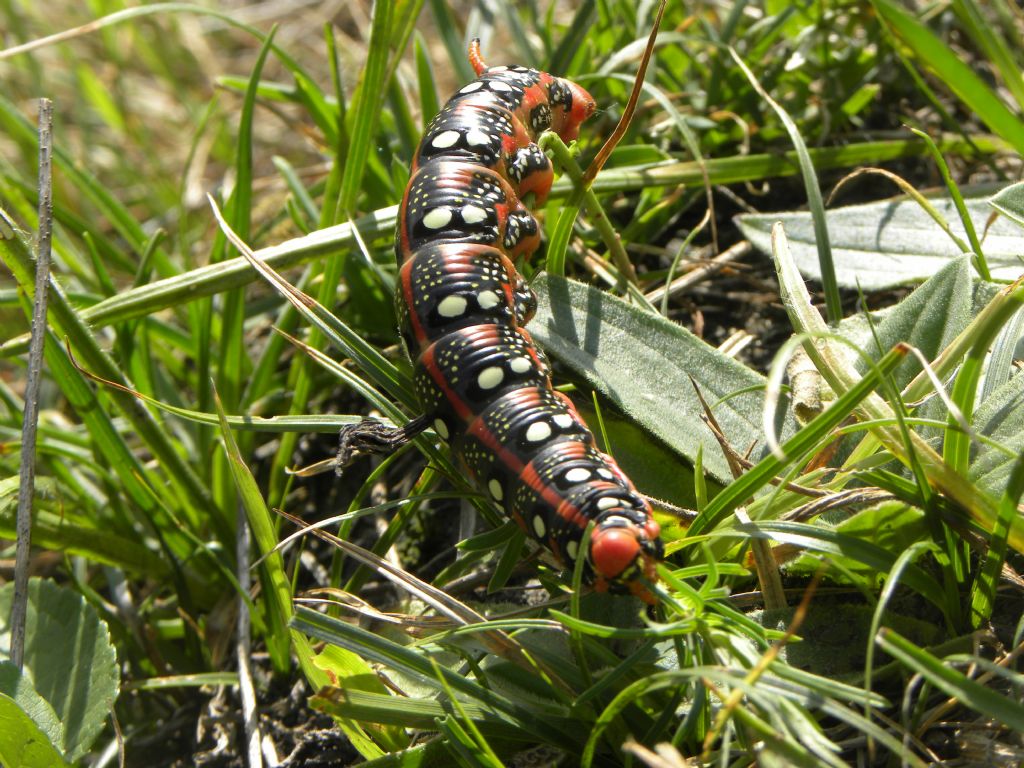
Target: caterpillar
(482, 383)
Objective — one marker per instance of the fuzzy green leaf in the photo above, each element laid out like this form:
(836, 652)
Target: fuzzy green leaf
(70, 659)
(889, 243)
(1010, 202)
(1000, 417)
(643, 363)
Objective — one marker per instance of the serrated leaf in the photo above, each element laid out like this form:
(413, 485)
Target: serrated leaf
(69, 658)
(885, 244)
(19, 687)
(22, 743)
(643, 364)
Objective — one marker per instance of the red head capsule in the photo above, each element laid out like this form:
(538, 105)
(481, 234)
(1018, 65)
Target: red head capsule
(582, 107)
(613, 551)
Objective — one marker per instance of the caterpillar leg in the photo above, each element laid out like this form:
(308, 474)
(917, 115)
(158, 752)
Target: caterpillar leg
(530, 172)
(370, 436)
(525, 300)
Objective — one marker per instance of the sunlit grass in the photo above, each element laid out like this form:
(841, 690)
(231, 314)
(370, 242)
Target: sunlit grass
(302, 138)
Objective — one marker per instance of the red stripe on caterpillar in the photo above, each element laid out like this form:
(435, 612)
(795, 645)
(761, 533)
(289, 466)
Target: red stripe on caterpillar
(480, 380)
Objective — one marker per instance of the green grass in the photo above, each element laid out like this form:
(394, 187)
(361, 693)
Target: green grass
(183, 371)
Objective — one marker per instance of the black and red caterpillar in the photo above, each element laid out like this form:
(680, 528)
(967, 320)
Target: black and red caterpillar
(483, 384)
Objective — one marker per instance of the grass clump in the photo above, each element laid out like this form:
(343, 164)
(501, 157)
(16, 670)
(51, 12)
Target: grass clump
(843, 539)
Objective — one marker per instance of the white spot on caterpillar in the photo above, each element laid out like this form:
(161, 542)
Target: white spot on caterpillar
(538, 526)
(538, 431)
(497, 492)
(441, 428)
(608, 502)
(572, 549)
(437, 218)
(477, 138)
(606, 474)
(473, 214)
(577, 475)
(451, 306)
(489, 300)
(500, 87)
(564, 420)
(474, 86)
(491, 377)
(519, 364)
(445, 139)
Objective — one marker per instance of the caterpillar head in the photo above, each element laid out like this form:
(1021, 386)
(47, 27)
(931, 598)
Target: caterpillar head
(624, 551)
(570, 106)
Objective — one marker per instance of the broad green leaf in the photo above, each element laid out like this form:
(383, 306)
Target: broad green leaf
(908, 446)
(1010, 202)
(834, 639)
(892, 526)
(889, 243)
(1000, 417)
(69, 657)
(643, 363)
(19, 687)
(928, 319)
(641, 458)
(22, 743)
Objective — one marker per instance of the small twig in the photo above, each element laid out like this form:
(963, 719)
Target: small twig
(627, 114)
(733, 457)
(27, 478)
(838, 500)
(768, 576)
(702, 271)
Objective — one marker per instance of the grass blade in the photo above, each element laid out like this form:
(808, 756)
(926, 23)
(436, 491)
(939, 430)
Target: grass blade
(833, 306)
(277, 588)
(952, 682)
(948, 68)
